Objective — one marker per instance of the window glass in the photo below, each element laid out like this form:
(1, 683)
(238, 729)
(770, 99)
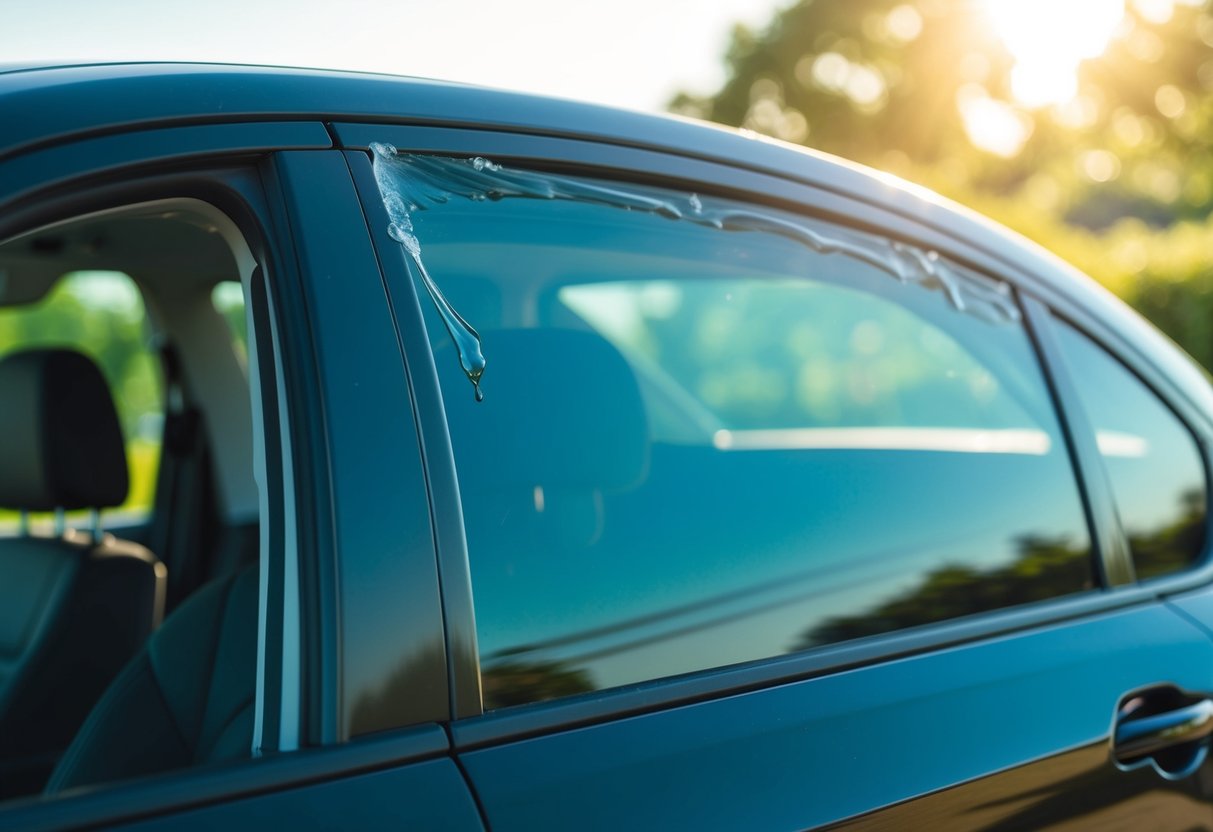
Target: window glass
(101, 314)
(714, 434)
(1152, 460)
(80, 612)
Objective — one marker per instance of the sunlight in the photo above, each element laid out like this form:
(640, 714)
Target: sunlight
(993, 126)
(1049, 39)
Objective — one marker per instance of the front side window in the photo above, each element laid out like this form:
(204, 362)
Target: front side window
(1153, 462)
(711, 433)
(86, 616)
(101, 313)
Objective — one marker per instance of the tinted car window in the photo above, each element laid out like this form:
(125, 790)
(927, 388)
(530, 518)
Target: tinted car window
(1152, 460)
(709, 441)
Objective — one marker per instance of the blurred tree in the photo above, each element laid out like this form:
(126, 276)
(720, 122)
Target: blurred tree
(904, 85)
(1115, 174)
(876, 81)
(102, 315)
(1044, 569)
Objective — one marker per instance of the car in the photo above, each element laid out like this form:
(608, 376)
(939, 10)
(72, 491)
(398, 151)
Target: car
(386, 452)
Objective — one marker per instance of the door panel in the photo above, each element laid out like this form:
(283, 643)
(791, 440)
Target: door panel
(1074, 790)
(1197, 605)
(822, 750)
(426, 796)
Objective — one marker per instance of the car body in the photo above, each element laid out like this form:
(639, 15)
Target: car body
(394, 624)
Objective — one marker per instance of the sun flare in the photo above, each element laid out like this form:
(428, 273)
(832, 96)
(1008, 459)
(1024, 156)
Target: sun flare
(1049, 39)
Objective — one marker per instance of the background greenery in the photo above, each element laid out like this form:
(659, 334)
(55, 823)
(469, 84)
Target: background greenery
(102, 315)
(1117, 179)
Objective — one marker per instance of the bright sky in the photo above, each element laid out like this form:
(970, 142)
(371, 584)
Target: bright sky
(630, 53)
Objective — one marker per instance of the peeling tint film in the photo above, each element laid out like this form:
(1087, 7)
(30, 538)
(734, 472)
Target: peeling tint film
(409, 183)
(395, 186)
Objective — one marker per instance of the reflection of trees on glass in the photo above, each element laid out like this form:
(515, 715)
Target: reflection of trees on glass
(1045, 568)
(1171, 548)
(392, 703)
(800, 353)
(517, 682)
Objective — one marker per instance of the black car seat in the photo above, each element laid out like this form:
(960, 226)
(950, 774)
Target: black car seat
(75, 607)
(186, 699)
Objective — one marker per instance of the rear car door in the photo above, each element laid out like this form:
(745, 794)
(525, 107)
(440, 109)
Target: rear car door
(774, 518)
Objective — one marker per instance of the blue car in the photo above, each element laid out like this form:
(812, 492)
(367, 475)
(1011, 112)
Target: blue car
(383, 453)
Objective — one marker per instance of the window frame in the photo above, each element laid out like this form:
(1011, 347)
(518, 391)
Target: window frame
(228, 167)
(1033, 285)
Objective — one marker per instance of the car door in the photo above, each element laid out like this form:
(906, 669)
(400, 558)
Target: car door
(347, 551)
(893, 591)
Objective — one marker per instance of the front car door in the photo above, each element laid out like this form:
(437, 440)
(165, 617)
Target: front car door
(337, 456)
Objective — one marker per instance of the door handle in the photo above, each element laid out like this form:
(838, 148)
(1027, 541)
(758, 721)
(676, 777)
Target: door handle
(1171, 740)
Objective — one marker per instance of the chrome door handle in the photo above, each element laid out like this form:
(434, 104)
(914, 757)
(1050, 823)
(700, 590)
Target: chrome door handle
(1148, 735)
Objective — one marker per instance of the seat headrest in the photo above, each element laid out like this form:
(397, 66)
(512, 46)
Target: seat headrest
(60, 441)
(561, 408)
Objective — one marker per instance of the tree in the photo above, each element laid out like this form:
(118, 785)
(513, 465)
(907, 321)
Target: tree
(1116, 179)
(907, 85)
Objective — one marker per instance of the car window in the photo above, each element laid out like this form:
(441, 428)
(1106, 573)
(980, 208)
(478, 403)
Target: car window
(1153, 462)
(711, 433)
(101, 313)
(88, 613)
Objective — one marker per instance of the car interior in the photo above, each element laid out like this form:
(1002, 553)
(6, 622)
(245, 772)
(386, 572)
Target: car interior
(128, 627)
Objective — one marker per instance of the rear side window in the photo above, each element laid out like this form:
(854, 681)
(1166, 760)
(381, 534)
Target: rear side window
(711, 434)
(1153, 461)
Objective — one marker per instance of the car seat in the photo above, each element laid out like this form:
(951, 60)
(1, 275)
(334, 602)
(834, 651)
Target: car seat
(76, 606)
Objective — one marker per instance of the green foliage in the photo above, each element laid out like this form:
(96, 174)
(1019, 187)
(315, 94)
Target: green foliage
(102, 315)
(1117, 179)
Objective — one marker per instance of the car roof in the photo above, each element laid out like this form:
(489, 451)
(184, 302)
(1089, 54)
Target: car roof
(50, 104)
(47, 105)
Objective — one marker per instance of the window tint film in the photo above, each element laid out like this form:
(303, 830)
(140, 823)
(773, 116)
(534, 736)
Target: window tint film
(1152, 460)
(711, 434)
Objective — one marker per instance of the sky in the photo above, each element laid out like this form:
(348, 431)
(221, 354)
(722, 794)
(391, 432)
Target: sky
(627, 53)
